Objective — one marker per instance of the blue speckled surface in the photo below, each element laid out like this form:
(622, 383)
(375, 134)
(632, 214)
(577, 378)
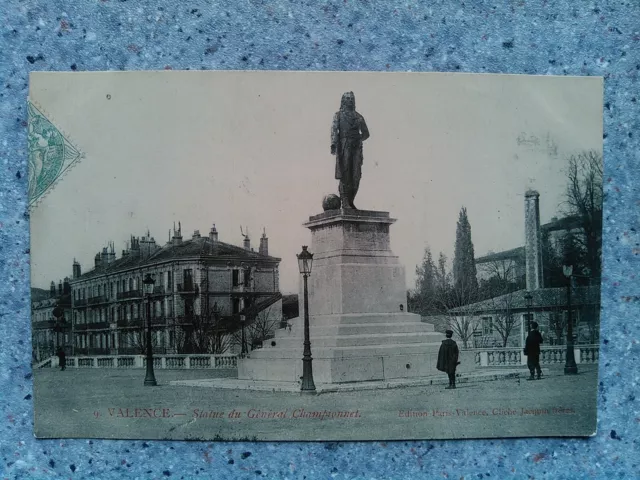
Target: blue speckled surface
(536, 37)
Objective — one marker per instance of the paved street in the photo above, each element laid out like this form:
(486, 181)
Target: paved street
(97, 403)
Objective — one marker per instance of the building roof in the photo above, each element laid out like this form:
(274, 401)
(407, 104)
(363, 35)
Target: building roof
(63, 300)
(200, 247)
(515, 254)
(566, 223)
(518, 253)
(542, 299)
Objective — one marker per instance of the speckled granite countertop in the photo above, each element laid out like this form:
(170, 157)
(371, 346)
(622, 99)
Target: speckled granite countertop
(534, 37)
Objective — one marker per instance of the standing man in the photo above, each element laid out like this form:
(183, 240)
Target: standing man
(448, 358)
(348, 131)
(532, 351)
(62, 358)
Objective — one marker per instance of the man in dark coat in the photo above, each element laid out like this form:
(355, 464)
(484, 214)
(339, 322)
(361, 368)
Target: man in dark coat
(532, 351)
(348, 131)
(62, 358)
(448, 358)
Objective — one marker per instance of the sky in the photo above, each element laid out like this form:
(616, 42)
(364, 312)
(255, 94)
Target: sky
(252, 149)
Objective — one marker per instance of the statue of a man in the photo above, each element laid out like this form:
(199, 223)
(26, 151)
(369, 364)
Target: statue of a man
(348, 131)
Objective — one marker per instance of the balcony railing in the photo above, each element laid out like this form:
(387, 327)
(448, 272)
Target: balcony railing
(129, 295)
(97, 325)
(188, 287)
(97, 300)
(552, 355)
(44, 324)
(165, 361)
(81, 302)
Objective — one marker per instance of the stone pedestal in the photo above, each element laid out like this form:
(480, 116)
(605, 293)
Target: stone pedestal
(359, 327)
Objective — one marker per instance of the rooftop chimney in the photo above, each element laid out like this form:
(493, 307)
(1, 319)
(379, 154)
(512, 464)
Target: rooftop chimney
(77, 271)
(177, 234)
(533, 240)
(98, 260)
(60, 287)
(196, 234)
(246, 242)
(147, 245)
(66, 287)
(135, 246)
(264, 244)
(105, 256)
(52, 289)
(213, 234)
(112, 252)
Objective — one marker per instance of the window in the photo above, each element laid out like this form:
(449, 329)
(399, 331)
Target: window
(169, 282)
(188, 308)
(130, 283)
(487, 325)
(247, 277)
(236, 277)
(236, 305)
(187, 278)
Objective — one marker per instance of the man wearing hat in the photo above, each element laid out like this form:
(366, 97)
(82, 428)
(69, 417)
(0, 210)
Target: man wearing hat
(448, 358)
(532, 351)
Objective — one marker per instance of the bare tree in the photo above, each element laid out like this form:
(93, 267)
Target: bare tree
(504, 318)
(205, 333)
(260, 329)
(584, 198)
(449, 298)
(136, 338)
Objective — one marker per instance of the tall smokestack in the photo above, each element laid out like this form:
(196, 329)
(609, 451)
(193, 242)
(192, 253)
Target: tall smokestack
(533, 240)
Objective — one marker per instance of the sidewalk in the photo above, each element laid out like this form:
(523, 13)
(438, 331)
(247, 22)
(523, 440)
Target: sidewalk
(294, 387)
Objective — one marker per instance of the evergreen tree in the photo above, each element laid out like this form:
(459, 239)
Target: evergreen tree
(441, 274)
(422, 299)
(464, 264)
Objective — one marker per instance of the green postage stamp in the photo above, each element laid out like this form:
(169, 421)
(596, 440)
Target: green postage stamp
(50, 154)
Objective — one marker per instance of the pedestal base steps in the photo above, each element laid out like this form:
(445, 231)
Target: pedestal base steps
(359, 328)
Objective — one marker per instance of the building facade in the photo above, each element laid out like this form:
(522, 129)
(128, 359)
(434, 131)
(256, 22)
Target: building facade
(51, 322)
(205, 290)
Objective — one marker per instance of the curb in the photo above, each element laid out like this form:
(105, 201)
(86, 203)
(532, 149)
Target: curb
(235, 384)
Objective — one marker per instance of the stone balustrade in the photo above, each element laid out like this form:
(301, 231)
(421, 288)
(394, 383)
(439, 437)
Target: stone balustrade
(549, 355)
(165, 361)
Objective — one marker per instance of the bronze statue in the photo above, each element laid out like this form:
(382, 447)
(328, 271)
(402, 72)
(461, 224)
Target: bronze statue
(348, 131)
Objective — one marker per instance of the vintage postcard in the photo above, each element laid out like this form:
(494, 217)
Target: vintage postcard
(314, 255)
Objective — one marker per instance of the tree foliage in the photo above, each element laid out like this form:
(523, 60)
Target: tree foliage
(583, 199)
(464, 263)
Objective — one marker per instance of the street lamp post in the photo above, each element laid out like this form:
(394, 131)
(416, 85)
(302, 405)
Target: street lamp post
(243, 339)
(305, 260)
(570, 367)
(150, 378)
